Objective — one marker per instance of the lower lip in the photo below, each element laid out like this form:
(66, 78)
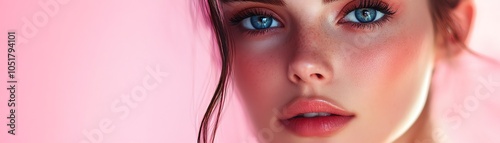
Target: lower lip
(316, 126)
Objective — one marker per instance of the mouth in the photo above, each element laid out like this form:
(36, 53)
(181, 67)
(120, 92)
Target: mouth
(314, 117)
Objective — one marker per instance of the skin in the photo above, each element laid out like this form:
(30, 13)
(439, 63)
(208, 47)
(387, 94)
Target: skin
(381, 74)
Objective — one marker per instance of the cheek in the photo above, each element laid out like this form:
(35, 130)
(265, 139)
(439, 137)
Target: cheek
(393, 73)
(259, 74)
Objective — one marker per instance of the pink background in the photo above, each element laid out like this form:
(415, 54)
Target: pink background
(79, 61)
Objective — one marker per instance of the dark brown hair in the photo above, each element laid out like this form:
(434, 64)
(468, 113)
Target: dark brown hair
(446, 30)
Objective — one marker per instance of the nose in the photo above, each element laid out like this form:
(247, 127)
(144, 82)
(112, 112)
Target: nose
(312, 55)
(308, 69)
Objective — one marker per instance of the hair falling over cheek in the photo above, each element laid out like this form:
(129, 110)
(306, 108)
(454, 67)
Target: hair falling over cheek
(445, 29)
(206, 132)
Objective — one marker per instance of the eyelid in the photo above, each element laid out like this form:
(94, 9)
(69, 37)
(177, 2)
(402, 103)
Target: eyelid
(378, 17)
(377, 5)
(235, 19)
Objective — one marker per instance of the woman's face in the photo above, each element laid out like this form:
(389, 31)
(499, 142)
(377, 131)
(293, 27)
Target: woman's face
(331, 70)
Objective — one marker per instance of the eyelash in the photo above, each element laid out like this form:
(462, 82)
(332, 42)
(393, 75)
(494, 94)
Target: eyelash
(375, 4)
(236, 19)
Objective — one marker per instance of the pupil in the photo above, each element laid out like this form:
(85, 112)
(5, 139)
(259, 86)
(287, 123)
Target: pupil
(261, 22)
(365, 15)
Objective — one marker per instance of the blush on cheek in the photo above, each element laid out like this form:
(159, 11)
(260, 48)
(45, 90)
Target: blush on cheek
(391, 71)
(389, 55)
(260, 81)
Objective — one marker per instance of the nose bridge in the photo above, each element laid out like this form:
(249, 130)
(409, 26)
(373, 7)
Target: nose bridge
(309, 37)
(312, 43)
(310, 26)
(311, 62)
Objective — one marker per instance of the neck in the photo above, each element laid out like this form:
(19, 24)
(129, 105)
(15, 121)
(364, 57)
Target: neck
(421, 131)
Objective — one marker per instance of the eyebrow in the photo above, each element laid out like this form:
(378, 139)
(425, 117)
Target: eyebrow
(273, 2)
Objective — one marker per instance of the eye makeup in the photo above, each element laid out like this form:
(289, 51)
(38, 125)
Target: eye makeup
(237, 19)
(378, 6)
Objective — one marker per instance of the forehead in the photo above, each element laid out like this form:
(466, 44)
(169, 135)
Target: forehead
(273, 2)
(287, 2)
(400, 5)
(284, 2)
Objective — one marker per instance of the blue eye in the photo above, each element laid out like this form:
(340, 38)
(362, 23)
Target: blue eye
(364, 15)
(259, 22)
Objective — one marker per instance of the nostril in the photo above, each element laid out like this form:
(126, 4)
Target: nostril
(297, 77)
(319, 76)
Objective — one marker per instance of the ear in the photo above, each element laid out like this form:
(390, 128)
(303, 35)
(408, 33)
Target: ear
(463, 17)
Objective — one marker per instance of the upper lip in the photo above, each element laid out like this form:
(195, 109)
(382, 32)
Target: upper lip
(304, 105)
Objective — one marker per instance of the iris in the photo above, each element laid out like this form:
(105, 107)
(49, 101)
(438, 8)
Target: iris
(261, 22)
(365, 15)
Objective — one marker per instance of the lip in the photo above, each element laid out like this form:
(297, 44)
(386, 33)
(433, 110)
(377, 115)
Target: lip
(314, 126)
